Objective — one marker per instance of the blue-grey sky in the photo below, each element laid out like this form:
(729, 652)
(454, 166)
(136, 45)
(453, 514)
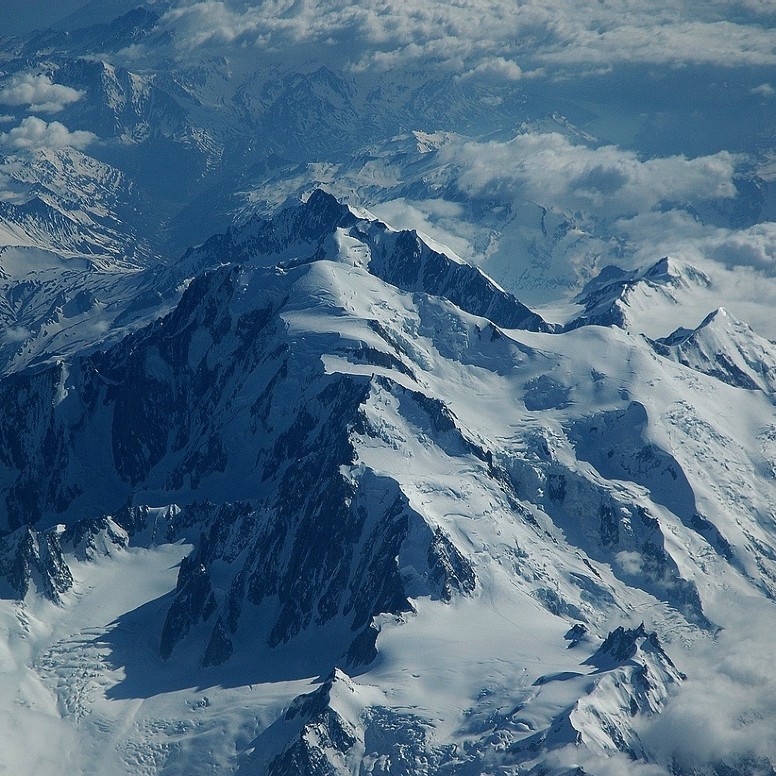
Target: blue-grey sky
(19, 16)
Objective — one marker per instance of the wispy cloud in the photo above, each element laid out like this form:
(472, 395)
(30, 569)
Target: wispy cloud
(726, 711)
(681, 234)
(497, 68)
(490, 37)
(764, 90)
(577, 759)
(681, 42)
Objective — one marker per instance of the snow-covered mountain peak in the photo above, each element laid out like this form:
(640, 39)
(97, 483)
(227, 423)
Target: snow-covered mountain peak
(640, 300)
(671, 271)
(324, 229)
(722, 318)
(362, 449)
(62, 200)
(289, 486)
(726, 348)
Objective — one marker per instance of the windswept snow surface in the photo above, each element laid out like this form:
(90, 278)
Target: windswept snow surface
(59, 666)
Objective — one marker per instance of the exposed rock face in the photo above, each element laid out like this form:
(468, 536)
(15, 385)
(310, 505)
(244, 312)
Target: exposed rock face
(337, 729)
(154, 403)
(34, 446)
(625, 645)
(320, 497)
(39, 561)
(31, 560)
(285, 552)
(315, 231)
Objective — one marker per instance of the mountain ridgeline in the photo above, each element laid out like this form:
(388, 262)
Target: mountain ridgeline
(391, 475)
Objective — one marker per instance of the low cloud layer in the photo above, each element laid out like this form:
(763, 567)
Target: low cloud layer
(470, 36)
(726, 711)
(681, 234)
(650, 205)
(606, 182)
(34, 133)
(37, 92)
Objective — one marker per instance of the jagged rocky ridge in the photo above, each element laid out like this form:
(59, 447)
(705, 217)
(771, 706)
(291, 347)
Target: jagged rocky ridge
(351, 427)
(323, 228)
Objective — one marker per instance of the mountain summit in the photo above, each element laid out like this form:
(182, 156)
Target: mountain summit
(347, 468)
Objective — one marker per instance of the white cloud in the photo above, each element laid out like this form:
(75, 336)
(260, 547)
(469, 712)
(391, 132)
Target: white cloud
(15, 334)
(680, 234)
(606, 182)
(683, 42)
(753, 247)
(38, 92)
(498, 68)
(626, 210)
(438, 219)
(764, 90)
(494, 37)
(579, 759)
(35, 133)
(206, 22)
(630, 562)
(727, 708)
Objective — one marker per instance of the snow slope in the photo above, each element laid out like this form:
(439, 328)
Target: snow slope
(424, 532)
